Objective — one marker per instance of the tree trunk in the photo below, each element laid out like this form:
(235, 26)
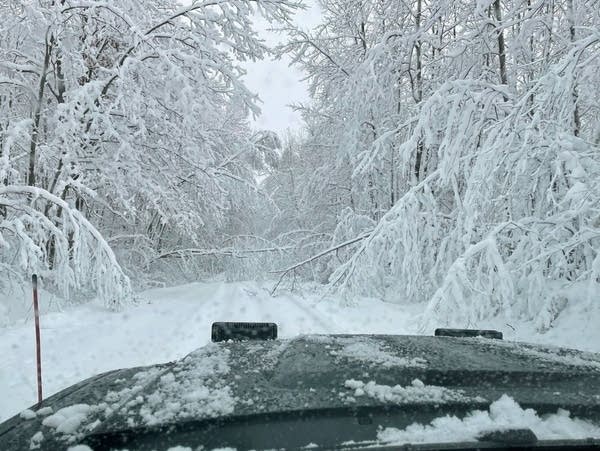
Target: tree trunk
(419, 86)
(501, 45)
(37, 115)
(576, 117)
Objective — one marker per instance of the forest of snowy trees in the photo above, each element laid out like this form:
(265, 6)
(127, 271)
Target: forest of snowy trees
(450, 153)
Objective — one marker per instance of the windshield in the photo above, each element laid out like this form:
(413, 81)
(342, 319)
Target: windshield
(332, 167)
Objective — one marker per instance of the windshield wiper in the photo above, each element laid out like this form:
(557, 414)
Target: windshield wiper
(524, 436)
(541, 445)
(346, 428)
(512, 439)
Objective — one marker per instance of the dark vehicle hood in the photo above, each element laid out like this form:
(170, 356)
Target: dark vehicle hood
(426, 376)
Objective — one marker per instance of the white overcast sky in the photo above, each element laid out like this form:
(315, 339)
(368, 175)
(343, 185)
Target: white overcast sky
(278, 84)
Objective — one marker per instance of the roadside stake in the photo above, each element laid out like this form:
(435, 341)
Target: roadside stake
(38, 351)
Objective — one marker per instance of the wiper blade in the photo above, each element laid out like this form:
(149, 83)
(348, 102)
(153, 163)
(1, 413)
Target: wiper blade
(524, 436)
(541, 445)
(327, 428)
(288, 429)
(513, 439)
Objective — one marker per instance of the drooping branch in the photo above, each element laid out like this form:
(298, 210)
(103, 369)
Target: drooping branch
(86, 256)
(335, 248)
(225, 252)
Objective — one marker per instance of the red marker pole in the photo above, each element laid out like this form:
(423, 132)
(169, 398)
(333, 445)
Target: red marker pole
(38, 350)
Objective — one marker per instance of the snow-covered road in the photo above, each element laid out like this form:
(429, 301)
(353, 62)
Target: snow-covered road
(168, 324)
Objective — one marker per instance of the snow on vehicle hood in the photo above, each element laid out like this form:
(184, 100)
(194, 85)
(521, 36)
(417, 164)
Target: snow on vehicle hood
(310, 373)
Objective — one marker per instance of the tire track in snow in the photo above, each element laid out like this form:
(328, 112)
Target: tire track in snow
(306, 310)
(214, 308)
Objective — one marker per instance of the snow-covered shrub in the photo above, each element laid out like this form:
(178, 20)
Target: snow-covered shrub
(70, 255)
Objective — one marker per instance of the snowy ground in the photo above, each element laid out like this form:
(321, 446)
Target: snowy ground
(171, 322)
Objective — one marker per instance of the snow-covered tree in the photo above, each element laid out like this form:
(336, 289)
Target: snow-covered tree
(471, 138)
(128, 115)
